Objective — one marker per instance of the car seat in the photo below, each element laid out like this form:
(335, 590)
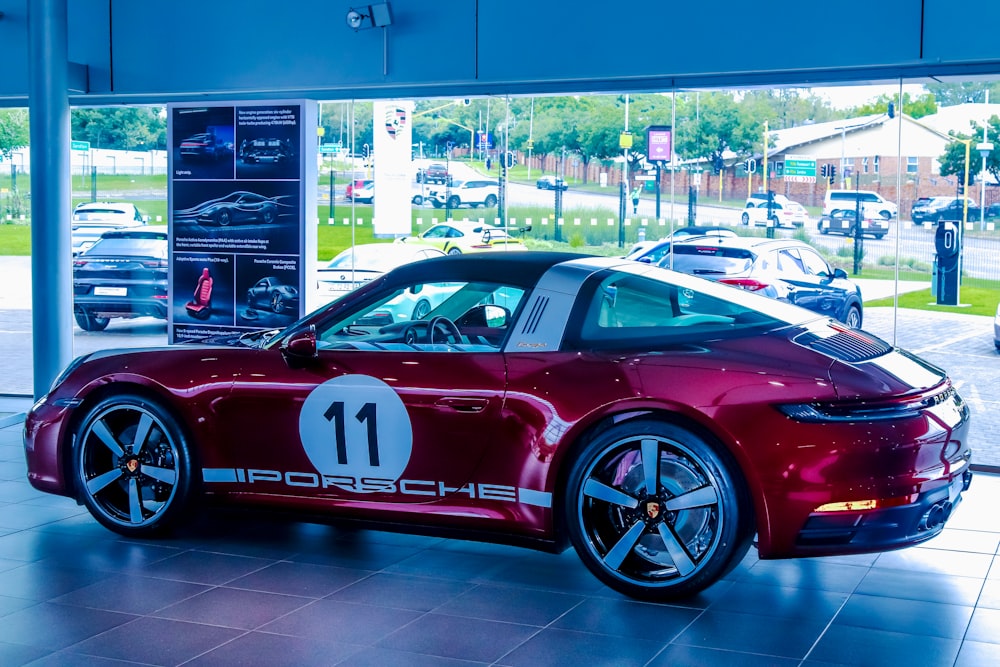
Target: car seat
(200, 307)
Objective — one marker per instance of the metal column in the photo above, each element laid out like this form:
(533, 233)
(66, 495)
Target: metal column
(51, 200)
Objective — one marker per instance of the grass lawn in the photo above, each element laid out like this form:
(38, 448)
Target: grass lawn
(976, 300)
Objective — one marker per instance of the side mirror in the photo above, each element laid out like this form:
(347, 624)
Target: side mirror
(496, 316)
(487, 236)
(839, 274)
(301, 346)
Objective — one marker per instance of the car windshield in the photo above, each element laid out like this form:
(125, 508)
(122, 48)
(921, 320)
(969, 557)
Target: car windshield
(709, 260)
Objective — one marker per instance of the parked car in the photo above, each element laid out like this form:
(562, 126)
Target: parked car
(435, 172)
(783, 213)
(472, 193)
(872, 203)
(784, 269)
(355, 185)
(273, 294)
(550, 182)
(459, 236)
(364, 194)
(265, 150)
(946, 208)
(92, 219)
(659, 423)
(651, 252)
(205, 146)
(845, 221)
(362, 263)
(124, 274)
(917, 203)
(240, 207)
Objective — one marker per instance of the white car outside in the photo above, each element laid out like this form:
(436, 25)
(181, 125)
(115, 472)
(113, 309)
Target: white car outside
(91, 219)
(784, 213)
(363, 263)
(478, 192)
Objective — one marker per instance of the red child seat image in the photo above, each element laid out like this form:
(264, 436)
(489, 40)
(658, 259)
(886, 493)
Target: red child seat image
(201, 306)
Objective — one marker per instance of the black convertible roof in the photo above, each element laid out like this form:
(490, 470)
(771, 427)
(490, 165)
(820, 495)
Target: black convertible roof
(520, 267)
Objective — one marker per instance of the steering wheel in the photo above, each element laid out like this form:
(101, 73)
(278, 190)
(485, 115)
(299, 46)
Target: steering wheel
(449, 328)
(410, 335)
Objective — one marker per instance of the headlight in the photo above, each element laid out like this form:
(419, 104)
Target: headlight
(66, 371)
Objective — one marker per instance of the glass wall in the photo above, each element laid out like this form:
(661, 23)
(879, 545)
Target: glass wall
(892, 187)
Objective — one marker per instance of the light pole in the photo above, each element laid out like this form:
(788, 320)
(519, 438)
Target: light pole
(984, 149)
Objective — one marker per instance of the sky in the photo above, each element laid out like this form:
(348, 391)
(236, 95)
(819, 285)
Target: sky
(842, 97)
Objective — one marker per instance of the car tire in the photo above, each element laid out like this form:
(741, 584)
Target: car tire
(223, 218)
(886, 214)
(267, 215)
(90, 322)
(454, 251)
(421, 310)
(491, 201)
(418, 200)
(879, 237)
(454, 202)
(823, 229)
(436, 203)
(133, 488)
(277, 304)
(853, 317)
(692, 528)
(745, 219)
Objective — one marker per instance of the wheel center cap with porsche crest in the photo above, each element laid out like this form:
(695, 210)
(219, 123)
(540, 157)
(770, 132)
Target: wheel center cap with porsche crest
(132, 465)
(652, 509)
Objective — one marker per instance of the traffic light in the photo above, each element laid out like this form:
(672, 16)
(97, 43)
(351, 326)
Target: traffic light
(825, 171)
(508, 160)
(833, 174)
(750, 165)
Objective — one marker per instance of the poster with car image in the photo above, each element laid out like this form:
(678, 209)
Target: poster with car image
(240, 246)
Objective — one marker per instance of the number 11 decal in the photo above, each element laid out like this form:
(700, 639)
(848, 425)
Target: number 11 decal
(367, 415)
(370, 427)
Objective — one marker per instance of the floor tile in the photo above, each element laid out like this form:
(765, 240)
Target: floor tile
(257, 648)
(456, 637)
(752, 633)
(205, 568)
(555, 647)
(34, 581)
(303, 579)
(905, 585)
(626, 618)
(676, 655)
(847, 645)
(15, 655)
(937, 561)
(233, 608)
(63, 625)
(833, 577)
(985, 626)
(806, 603)
(954, 539)
(342, 622)
(402, 591)
(131, 594)
(914, 617)
(156, 641)
(978, 654)
(380, 657)
(513, 605)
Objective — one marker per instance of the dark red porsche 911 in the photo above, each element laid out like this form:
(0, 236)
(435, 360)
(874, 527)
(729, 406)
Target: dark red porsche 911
(653, 420)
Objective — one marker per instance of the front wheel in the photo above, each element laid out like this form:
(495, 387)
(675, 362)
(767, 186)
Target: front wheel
(223, 217)
(491, 201)
(132, 465)
(853, 319)
(277, 303)
(454, 251)
(454, 202)
(745, 219)
(656, 511)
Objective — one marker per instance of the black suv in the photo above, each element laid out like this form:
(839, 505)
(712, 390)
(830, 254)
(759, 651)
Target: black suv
(124, 274)
(783, 269)
(434, 173)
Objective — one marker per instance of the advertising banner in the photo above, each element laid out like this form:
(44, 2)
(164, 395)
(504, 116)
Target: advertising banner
(241, 238)
(392, 127)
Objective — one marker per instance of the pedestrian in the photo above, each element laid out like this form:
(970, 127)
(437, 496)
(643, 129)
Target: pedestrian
(489, 163)
(635, 201)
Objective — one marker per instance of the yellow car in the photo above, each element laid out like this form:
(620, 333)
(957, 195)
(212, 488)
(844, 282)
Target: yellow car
(456, 237)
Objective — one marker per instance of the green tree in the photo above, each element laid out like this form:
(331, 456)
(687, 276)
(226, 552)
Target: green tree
(953, 159)
(122, 128)
(950, 94)
(14, 131)
(924, 105)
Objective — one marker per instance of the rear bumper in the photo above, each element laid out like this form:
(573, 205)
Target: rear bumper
(884, 529)
(104, 306)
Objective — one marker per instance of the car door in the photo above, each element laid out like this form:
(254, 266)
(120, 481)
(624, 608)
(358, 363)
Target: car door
(369, 422)
(817, 289)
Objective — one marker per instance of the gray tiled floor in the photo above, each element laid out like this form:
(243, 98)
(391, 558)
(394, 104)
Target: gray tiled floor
(233, 589)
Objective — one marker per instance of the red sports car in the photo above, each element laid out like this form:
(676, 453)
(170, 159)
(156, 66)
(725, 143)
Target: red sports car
(656, 421)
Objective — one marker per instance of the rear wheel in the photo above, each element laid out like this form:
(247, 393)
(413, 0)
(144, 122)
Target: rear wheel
(90, 322)
(454, 251)
(133, 465)
(491, 201)
(277, 303)
(745, 219)
(454, 202)
(655, 511)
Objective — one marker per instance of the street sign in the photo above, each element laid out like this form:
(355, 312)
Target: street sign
(329, 148)
(659, 142)
(800, 169)
(645, 177)
(79, 145)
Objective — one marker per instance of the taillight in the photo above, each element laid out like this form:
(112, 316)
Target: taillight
(77, 263)
(154, 264)
(744, 283)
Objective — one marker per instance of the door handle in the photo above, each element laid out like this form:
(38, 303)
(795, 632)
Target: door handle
(463, 404)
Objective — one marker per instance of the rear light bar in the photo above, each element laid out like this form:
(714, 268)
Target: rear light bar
(744, 283)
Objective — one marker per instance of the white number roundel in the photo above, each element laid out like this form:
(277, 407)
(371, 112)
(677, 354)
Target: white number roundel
(354, 427)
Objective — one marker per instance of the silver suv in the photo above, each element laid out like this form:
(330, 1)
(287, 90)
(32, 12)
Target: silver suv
(472, 193)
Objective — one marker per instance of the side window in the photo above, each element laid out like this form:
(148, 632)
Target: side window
(789, 263)
(437, 232)
(467, 317)
(814, 264)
